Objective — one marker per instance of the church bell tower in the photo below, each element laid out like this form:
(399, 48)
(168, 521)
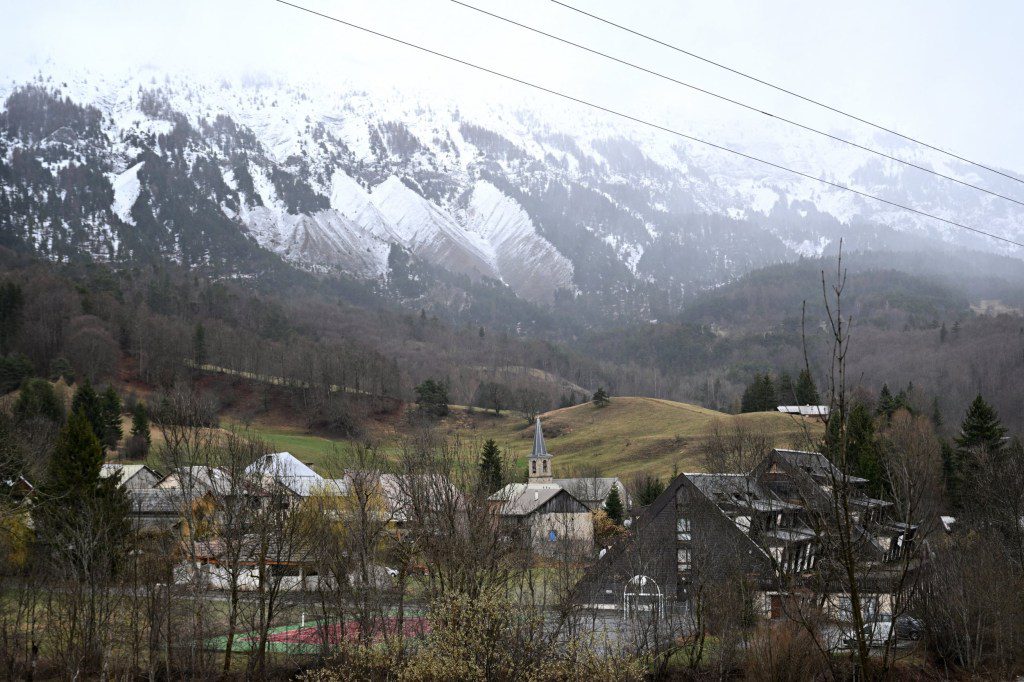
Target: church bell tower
(540, 459)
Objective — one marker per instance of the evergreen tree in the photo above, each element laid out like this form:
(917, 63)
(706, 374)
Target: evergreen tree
(787, 392)
(491, 476)
(951, 473)
(88, 403)
(601, 398)
(648, 490)
(759, 395)
(110, 409)
(806, 391)
(613, 506)
(140, 423)
(936, 413)
(886, 402)
(981, 428)
(199, 345)
(943, 333)
(432, 397)
(863, 452)
(14, 369)
(81, 496)
(38, 399)
(60, 368)
(981, 434)
(12, 303)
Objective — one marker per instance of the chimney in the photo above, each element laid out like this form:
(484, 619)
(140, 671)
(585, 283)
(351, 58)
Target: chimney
(536, 494)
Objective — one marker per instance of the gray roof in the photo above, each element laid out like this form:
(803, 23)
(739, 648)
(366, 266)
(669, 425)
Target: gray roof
(521, 499)
(587, 489)
(815, 464)
(198, 479)
(539, 450)
(157, 501)
(738, 490)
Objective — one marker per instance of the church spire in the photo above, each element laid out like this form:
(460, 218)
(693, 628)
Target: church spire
(540, 459)
(538, 442)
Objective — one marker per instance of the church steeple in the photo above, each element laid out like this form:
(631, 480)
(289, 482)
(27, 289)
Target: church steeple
(540, 459)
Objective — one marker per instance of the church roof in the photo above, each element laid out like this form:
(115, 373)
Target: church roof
(539, 450)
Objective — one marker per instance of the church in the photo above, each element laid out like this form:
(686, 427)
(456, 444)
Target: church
(554, 512)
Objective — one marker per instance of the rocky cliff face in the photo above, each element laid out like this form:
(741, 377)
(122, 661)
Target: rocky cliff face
(218, 173)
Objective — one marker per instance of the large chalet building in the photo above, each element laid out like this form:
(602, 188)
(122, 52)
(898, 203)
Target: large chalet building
(769, 527)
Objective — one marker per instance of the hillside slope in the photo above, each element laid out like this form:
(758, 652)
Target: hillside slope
(629, 436)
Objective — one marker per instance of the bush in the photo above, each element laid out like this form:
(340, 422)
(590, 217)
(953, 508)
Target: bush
(784, 652)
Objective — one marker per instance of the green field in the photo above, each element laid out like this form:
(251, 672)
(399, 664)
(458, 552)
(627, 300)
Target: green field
(628, 436)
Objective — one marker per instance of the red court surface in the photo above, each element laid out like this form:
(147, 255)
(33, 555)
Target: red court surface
(336, 632)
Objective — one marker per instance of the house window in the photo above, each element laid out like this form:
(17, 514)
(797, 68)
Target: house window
(533, 466)
(683, 529)
(683, 559)
(545, 463)
(552, 536)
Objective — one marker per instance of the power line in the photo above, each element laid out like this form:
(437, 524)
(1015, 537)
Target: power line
(809, 100)
(641, 121)
(736, 102)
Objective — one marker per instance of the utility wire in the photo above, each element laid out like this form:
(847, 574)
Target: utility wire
(786, 91)
(641, 121)
(733, 101)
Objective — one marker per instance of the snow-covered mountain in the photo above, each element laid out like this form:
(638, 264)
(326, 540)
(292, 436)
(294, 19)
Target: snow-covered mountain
(336, 179)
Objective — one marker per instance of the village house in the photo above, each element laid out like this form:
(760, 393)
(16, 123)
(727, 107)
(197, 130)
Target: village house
(132, 476)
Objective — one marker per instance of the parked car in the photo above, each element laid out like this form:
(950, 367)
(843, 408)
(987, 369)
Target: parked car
(883, 628)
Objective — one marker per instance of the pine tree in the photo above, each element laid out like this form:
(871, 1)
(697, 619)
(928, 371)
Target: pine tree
(88, 403)
(936, 413)
(75, 465)
(73, 479)
(951, 473)
(140, 422)
(199, 345)
(613, 506)
(943, 333)
(981, 428)
(601, 398)
(787, 393)
(981, 433)
(806, 391)
(110, 409)
(432, 397)
(648, 490)
(38, 399)
(886, 403)
(12, 303)
(491, 476)
(863, 451)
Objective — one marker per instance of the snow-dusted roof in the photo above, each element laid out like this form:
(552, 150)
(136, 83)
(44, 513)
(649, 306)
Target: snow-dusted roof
(286, 469)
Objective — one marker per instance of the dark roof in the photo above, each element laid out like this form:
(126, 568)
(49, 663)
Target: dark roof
(738, 490)
(816, 464)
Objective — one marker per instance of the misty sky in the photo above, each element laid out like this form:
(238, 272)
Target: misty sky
(944, 71)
